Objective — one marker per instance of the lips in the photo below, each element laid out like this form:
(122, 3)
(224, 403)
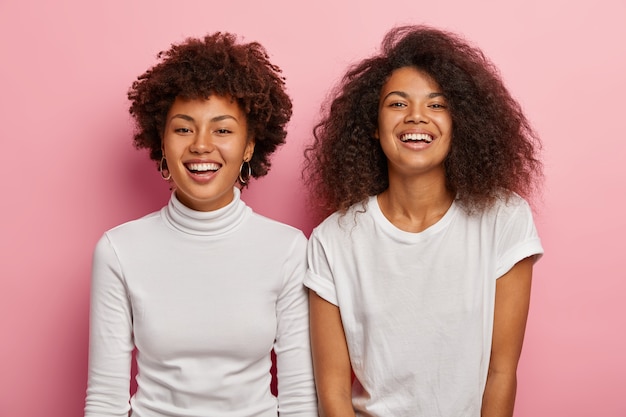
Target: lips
(416, 137)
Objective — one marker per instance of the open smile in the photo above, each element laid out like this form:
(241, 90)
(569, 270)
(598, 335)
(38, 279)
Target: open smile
(202, 167)
(416, 137)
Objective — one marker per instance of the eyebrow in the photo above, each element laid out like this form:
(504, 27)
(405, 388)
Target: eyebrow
(213, 120)
(405, 95)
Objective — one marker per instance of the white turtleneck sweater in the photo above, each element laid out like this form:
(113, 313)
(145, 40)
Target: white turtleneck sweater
(204, 297)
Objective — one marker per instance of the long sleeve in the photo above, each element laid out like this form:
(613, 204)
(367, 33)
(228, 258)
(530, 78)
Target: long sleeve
(296, 388)
(110, 339)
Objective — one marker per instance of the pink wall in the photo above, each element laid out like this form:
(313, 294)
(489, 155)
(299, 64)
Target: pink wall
(69, 171)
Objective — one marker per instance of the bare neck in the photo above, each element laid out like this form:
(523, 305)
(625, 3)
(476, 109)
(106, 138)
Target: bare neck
(413, 205)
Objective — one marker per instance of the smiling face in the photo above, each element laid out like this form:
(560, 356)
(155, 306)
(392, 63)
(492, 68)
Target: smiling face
(205, 142)
(414, 124)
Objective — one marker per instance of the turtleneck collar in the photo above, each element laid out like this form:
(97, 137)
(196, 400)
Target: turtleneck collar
(206, 223)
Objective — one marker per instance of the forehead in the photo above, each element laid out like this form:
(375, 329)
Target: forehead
(210, 106)
(410, 79)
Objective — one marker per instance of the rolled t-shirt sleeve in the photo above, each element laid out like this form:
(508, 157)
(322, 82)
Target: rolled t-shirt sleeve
(518, 237)
(319, 277)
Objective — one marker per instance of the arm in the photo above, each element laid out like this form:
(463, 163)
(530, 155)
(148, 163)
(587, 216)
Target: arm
(110, 338)
(296, 388)
(511, 312)
(331, 360)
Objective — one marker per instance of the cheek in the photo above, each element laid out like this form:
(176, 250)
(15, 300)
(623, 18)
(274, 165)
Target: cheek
(172, 156)
(169, 152)
(172, 145)
(385, 125)
(166, 144)
(447, 121)
(444, 125)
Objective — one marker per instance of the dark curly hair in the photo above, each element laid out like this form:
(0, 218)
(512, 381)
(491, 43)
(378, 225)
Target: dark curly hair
(217, 64)
(493, 150)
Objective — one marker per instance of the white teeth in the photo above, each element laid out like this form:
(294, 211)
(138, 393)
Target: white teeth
(203, 167)
(415, 137)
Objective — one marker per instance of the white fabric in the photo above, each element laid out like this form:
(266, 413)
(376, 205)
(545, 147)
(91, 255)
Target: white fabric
(417, 308)
(204, 297)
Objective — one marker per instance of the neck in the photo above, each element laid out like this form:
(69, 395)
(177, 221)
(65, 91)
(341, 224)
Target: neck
(414, 204)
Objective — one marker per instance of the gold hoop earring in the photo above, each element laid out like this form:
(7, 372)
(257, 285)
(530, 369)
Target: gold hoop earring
(241, 175)
(161, 169)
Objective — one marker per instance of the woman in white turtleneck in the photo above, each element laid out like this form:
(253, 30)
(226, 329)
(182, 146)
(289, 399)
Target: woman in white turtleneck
(203, 289)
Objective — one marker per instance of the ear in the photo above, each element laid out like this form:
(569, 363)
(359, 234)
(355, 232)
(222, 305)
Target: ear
(376, 135)
(247, 153)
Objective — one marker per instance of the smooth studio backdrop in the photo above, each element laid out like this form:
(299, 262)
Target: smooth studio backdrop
(69, 171)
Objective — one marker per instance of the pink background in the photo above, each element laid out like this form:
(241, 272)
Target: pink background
(69, 171)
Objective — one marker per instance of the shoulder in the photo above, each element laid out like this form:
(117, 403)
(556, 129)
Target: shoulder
(509, 214)
(513, 201)
(131, 236)
(510, 206)
(511, 221)
(135, 227)
(342, 225)
(273, 230)
(505, 207)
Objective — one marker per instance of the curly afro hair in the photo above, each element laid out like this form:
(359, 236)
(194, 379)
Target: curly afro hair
(493, 150)
(217, 64)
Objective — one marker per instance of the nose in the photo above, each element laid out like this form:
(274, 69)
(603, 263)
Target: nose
(202, 143)
(416, 114)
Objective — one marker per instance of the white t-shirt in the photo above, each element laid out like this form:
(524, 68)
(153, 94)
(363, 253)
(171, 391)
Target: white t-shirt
(203, 297)
(417, 308)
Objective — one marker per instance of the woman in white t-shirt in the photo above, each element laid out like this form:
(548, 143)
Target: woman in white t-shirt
(204, 289)
(420, 278)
